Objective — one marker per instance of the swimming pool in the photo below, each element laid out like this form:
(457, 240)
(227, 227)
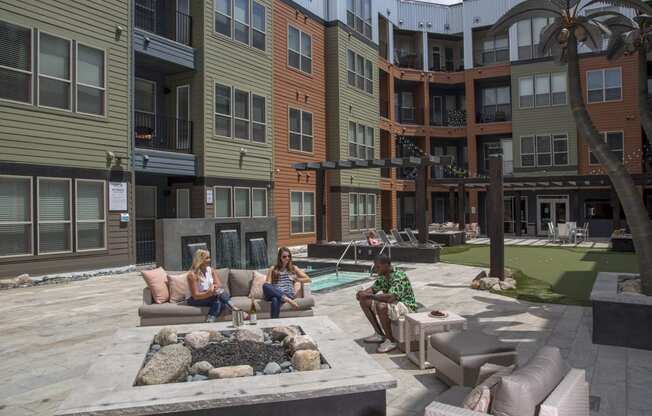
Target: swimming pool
(331, 280)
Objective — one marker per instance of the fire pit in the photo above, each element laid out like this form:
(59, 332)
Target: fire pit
(219, 367)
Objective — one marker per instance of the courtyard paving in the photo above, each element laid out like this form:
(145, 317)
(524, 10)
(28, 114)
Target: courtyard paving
(51, 334)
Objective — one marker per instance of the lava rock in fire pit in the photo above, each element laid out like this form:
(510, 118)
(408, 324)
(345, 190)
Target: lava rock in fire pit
(301, 342)
(166, 336)
(201, 367)
(272, 368)
(231, 372)
(155, 348)
(168, 365)
(228, 353)
(197, 339)
(253, 334)
(306, 360)
(215, 336)
(279, 333)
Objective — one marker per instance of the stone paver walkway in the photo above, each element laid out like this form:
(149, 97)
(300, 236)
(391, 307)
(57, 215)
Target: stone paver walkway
(50, 335)
(543, 242)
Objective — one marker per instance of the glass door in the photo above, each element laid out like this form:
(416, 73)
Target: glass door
(508, 217)
(437, 111)
(551, 210)
(145, 224)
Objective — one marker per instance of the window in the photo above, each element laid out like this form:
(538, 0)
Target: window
(496, 104)
(615, 144)
(495, 49)
(359, 72)
(54, 228)
(258, 126)
(358, 16)
(15, 216)
(223, 203)
(542, 90)
(91, 215)
(604, 85)
(528, 152)
(183, 202)
(90, 80)
(526, 92)
(54, 72)
(222, 110)
(242, 21)
(301, 130)
(242, 202)
(299, 50)
(302, 212)
(240, 114)
(15, 63)
(560, 149)
(558, 81)
(362, 211)
(528, 37)
(544, 150)
(361, 141)
(258, 202)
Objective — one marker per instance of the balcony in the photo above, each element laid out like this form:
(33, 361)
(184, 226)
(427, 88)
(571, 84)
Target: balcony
(494, 114)
(409, 50)
(177, 27)
(445, 55)
(162, 133)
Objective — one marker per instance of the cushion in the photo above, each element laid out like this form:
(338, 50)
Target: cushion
(172, 310)
(240, 282)
(157, 282)
(520, 393)
(304, 304)
(256, 291)
(457, 344)
(454, 396)
(485, 391)
(478, 400)
(223, 274)
(179, 289)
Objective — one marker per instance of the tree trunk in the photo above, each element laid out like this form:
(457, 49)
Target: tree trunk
(644, 110)
(630, 198)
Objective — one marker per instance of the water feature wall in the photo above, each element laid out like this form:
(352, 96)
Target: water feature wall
(227, 246)
(256, 255)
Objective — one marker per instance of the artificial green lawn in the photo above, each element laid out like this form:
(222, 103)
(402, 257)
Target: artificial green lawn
(548, 274)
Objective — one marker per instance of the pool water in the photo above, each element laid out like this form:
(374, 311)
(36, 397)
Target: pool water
(331, 280)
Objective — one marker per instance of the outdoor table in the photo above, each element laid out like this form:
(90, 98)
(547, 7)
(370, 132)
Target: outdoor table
(420, 325)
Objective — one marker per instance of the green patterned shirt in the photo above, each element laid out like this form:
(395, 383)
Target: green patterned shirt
(399, 285)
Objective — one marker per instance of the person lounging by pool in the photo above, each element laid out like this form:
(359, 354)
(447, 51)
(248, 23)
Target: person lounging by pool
(372, 240)
(279, 288)
(390, 288)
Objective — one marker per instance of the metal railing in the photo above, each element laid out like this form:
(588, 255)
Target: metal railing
(176, 26)
(355, 256)
(493, 114)
(157, 132)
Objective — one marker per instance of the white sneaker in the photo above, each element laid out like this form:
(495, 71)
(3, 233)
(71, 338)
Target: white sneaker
(374, 339)
(387, 346)
(210, 318)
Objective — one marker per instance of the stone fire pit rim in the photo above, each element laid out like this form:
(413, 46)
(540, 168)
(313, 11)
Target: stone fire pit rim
(605, 289)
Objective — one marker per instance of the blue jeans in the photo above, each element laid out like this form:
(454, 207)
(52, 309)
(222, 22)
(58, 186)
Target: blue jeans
(216, 303)
(275, 296)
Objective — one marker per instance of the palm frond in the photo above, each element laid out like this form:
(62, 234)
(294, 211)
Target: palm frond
(616, 47)
(526, 10)
(593, 36)
(549, 35)
(605, 13)
(619, 24)
(627, 4)
(558, 52)
(643, 19)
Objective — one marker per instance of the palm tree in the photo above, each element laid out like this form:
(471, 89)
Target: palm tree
(574, 23)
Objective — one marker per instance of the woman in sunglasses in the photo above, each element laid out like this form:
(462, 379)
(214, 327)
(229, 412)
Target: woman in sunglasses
(280, 282)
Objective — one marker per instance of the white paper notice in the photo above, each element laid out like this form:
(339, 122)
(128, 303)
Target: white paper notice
(117, 196)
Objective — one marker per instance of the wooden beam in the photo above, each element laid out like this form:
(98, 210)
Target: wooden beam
(314, 165)
(496, 210)
(361, 163)
(327, 164)
(344, 164)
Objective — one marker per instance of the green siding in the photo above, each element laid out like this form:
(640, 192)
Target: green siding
(541, 120)
(55, 137)
(231, 63)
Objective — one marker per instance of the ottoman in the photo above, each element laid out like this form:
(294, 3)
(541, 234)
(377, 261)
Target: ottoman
(458, 355)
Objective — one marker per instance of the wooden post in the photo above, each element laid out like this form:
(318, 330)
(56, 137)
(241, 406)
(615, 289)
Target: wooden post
(517, 214)
(320, 213)
(495, 218)
(461, 206)
(420, 188)
(451, 205)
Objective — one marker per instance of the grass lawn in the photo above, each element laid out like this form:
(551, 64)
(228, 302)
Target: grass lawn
(549, 274)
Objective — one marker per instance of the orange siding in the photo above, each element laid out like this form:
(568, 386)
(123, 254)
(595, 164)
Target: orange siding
(295, 89)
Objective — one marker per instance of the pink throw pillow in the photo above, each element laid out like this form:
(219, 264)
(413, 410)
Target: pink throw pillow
(179, 289)
(257, 282)
(478, 400)
(157, 282)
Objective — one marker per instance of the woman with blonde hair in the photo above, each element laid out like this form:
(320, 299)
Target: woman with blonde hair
(279, 288)
(205, 286)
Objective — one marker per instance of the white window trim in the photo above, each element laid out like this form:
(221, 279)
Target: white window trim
(39, 75)
(604, 138)
(39, 222)
(251, 203)
(300, 51)
(300, 133)
(536, 147)
(358, 143)
(357, 74)
(31, 216)
(565, 74)
(77, 221)
(248, 25)
(230, 188)
(155, 89)
(251, 18)
(230, 17)
(215, 113)
(103, 89)
(541, 74)
(235, 188)
(22, 71)
(531, 77)
(362, 215)
(302, 215)
(604, 86)
(557, 137)
(251, 118)
(364, 21)
(534, 154)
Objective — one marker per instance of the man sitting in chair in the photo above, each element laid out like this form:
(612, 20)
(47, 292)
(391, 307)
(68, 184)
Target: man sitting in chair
(391, 287)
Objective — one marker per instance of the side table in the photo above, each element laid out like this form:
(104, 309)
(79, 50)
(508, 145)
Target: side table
(420, 325)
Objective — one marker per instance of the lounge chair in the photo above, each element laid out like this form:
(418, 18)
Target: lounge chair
(472, 231)
(399, 239)
(552, 235)
(414, 240)
(384, 238)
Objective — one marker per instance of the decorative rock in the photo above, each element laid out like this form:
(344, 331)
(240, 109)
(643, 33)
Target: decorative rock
(508, 284)
(487, 283)
(197, 339)
(252, 334)
(215, 336)
(301, 342)
(306, 360)
(285, 364)
(631, 287)
(272, 368)
(166, 336)
(279, 333)
(259, 373)
(189, 378)
(231, 372)
(201, 367)
(199, 377)
(168, 365)
(155, 348)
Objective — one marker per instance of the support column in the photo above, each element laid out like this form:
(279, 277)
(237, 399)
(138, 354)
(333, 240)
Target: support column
(420, 188)
(391, 98)
(496, 214)
(424, 50)
(517, 214)
(390, 42)
(461, 206)
(321, 206)
(451, 205)
(473, 206)
(615, 207)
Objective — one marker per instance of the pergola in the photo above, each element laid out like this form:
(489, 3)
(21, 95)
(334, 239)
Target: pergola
(421, 164)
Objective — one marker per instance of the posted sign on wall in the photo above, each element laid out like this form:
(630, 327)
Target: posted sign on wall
(117, 196)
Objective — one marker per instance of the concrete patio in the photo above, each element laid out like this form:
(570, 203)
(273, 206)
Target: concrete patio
(51, 334)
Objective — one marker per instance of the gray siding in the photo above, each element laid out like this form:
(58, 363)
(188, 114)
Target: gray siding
(165, 162)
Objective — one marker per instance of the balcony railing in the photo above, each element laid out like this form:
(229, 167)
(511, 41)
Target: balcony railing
(157, 132)
(493, 114)
(177, 27)
(407, 115)
(408, 60)
(384, 108)
(445, 172)
(452, 118)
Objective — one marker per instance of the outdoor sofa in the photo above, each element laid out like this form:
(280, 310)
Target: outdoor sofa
(238, 282)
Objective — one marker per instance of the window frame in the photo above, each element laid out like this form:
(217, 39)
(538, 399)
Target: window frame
(104, 89)
(33, 73)
(31, 217)
(360, 141)
(215, 188)
(357, 14)
(252, 121)
(252, 28)
(604, 138)
(550, 153)
(235, 118)
(552, 92)
(300, 51)
(216, 114)
(70, 82)
(548, 77)
(358, 215)
(557, 137)
(248, 189)
(251, 203)
(250, 25)
(302, 215)
(300, 132)
(531, 78)
(104, 221)
(603, 71)
(39, 222)
(357, 76)
(533, 154)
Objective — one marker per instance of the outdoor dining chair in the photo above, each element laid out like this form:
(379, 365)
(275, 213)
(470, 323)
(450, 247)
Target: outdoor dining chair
(563, 232)
(552, 235)
(582, 233)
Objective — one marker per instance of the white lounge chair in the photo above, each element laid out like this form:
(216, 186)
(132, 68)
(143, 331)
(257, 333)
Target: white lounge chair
(552, 233)
(563, 232)
(582, 234)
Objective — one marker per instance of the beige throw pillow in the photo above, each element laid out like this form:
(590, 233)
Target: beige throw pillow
(179, 289)
(157, 282)
(257, 282)
(478, 400)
